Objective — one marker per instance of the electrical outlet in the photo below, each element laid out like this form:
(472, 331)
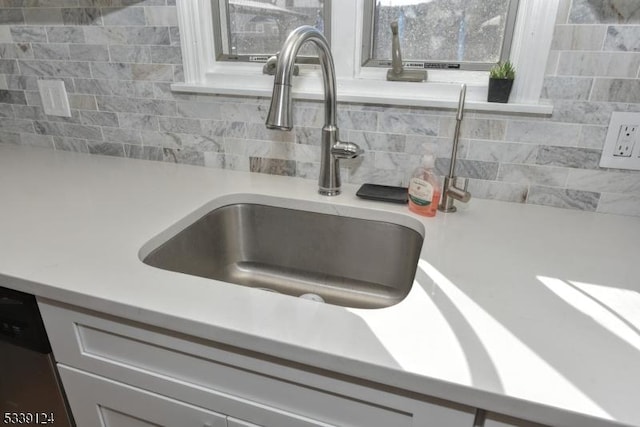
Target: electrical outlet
(622, 145)
(626, 140)
(54, 98)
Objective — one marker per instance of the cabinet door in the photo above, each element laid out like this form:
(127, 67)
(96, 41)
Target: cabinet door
(99, 402)
(263, 392)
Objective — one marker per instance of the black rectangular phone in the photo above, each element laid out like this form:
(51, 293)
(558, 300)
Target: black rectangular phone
(383, 193)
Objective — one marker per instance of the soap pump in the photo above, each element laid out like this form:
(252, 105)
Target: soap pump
(424, 188)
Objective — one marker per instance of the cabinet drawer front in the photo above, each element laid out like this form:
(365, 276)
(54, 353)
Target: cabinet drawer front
(205, 374)
(100, 402)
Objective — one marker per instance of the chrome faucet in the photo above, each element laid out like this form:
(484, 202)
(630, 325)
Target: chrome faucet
(280, 115)
(450, 191)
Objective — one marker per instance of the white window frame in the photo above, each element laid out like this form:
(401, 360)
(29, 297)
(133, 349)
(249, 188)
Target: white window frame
(371, 60)
(221, 10)
(529, 53)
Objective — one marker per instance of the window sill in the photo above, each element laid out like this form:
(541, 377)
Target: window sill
(364, 91)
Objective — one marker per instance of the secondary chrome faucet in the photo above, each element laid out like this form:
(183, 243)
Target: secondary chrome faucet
(450, 191)
(280, 115)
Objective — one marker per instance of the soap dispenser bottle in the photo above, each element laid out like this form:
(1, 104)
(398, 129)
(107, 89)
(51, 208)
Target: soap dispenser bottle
(424, 188)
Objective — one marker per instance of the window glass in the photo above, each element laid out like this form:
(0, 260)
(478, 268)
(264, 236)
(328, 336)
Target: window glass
(443, 33)
(253, 30)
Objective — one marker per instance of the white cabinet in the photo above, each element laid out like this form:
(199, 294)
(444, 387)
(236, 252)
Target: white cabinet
(211, 379)
(100, 402)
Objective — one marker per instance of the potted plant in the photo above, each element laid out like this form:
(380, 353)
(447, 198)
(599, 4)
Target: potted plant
(500, 82)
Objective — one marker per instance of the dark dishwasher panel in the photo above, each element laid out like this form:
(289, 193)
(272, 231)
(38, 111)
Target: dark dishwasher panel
(30, 390)
(20, 321)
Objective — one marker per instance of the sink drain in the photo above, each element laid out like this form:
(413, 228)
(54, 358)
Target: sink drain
(312, 297)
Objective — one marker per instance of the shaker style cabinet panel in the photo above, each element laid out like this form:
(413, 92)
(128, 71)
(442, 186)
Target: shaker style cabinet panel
(100, 402)
(243, 386)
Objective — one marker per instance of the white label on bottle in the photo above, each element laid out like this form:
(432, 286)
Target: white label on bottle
(420, 192)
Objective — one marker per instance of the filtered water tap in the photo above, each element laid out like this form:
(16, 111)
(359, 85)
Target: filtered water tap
(450, 191)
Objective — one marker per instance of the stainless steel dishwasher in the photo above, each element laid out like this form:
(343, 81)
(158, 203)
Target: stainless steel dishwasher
(30, 390)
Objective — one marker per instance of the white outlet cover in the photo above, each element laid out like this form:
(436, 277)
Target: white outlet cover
(55, 101)
(608, 159)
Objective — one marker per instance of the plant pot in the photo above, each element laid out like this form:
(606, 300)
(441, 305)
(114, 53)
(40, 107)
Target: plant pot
(499, 90)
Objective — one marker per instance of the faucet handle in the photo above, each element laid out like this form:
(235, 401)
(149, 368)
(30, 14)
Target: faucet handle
(346, 150)
(457, 193)
(466, 184)
(270, 66)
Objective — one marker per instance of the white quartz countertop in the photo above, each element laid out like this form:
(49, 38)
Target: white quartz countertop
(523, 310)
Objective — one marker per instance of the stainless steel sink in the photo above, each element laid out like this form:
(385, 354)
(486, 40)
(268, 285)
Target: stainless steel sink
(346, 261)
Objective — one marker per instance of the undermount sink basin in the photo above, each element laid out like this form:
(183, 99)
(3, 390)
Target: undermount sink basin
(347, 261)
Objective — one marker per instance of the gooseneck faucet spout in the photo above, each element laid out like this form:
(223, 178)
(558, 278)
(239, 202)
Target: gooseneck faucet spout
(450, 190)
(280, 114)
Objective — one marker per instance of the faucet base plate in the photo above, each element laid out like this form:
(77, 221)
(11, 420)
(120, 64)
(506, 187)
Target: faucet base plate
(449, 209)
(329, 192)
(407, 76)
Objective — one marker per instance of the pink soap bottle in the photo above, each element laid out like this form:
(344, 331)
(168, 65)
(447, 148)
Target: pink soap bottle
(424, 188)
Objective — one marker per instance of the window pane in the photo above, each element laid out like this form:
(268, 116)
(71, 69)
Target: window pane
(259, 27)
(451, 31)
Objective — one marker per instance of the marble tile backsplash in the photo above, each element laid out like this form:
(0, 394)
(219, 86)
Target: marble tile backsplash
(118, 59)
